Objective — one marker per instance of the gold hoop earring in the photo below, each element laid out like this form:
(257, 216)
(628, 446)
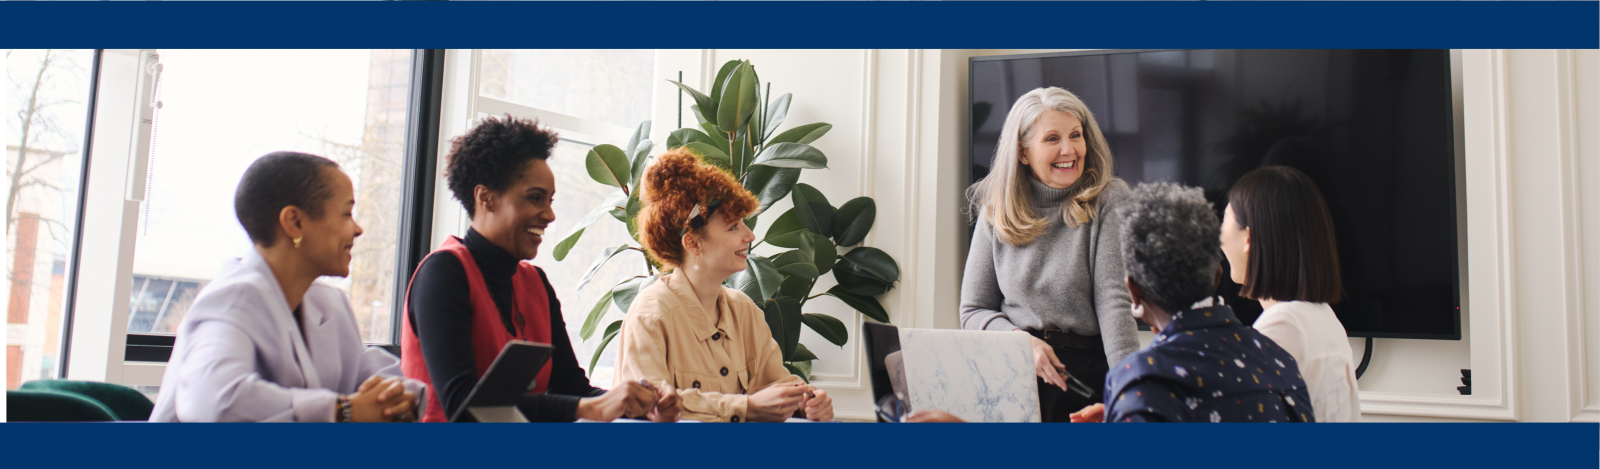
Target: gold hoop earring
(297, 242)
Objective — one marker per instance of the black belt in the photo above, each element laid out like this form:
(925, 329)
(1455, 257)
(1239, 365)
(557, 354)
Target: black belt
(1065, 339)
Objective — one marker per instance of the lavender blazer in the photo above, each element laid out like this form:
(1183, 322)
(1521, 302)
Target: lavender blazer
(239, 358)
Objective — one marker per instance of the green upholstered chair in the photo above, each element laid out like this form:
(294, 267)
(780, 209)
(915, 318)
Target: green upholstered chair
(54, 406)
(125, 403)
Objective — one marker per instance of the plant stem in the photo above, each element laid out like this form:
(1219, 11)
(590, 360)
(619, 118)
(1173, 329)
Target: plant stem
(680, 100)
(808, 288)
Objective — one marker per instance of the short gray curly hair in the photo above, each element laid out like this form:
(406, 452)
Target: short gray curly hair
(1171, 244)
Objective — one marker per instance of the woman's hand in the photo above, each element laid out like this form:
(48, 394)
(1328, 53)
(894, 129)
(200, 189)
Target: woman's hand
(819, 407)
(669, 405)
(1045, 364)
(630, 400)
(933, 416)
(398, 405)
(776, 403)
(1092, 414)
(373, 399)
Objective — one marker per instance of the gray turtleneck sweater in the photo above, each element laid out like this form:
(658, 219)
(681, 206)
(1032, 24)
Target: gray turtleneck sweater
(1068, 279)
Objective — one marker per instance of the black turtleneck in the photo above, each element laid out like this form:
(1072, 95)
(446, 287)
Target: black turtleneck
(441, 308)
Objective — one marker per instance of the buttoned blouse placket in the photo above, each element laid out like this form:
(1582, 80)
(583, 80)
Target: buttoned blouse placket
(725, 354)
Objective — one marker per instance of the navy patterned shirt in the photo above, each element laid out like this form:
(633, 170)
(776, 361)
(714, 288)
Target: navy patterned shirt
(1206, 366)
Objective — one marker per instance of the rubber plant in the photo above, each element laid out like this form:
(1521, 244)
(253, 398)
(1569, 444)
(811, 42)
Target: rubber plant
(737, 132)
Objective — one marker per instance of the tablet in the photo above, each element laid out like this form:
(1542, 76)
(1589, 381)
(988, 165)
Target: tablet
(511, 375)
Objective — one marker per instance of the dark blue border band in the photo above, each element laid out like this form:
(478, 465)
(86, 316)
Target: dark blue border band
(966, 25)
(807, 446)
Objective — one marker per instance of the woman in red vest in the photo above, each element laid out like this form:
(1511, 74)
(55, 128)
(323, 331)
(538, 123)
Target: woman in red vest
(472, 296)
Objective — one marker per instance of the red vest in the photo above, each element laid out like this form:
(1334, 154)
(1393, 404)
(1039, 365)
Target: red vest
(489, 335)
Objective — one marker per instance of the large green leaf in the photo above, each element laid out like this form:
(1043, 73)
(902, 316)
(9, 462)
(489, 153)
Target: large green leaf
(600, 261)
(632, 212)
(611, 333)
(640, 134)
(608, 165)
(759, 280)
(813, 209)
(865, 304)
(783, 319)
(853, 220)
(776, 112)
(795, 287)
(700, 99)
(801, 354)
(770, 184)
(623, 294)
(739, 98)
(828, 327)
(573, 234)
(786, 231)
(718, 137)
(595, 313)
(721, 80)
(824, 254)
(853, 280)
(803, 134)
(801, 369)
(685, 136)
(795, 263)
(699, 116)
(791, 155)
(710, 154)
(566, 244)
(637, 161)
(742, 152)
(875, 262)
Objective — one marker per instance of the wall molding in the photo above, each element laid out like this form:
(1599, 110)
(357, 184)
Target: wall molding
(912, 178)
(855, 380)
(1572, 237)
(1491, 293)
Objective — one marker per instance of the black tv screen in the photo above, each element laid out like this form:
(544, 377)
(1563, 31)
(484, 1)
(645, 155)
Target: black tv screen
(1373, 128)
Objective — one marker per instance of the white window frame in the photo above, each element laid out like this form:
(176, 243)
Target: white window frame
(119, 157)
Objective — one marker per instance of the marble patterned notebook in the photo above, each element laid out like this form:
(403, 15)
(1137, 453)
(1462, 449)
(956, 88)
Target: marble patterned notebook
(979, 376)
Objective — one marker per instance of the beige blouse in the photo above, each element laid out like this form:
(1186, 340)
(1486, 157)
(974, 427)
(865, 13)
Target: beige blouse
(667, 336)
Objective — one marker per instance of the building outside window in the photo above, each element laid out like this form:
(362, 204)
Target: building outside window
(46, 112)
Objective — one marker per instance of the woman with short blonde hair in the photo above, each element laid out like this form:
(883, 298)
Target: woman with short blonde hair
(1045, 256)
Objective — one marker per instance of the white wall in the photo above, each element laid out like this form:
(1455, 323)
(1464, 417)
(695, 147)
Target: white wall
(1529, 132)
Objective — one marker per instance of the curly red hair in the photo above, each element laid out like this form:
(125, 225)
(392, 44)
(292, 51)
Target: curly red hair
(671, 187)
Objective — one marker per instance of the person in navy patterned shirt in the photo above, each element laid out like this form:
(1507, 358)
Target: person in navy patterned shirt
(1203, 365)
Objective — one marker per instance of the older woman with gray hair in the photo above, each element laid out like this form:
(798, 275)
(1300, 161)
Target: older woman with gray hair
(1044, 256)
(1203, 364)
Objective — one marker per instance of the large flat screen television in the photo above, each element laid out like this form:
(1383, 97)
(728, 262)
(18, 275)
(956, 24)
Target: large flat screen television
(1373, 128)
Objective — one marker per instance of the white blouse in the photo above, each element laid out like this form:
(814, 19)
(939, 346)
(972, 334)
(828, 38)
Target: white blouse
(1315, 338)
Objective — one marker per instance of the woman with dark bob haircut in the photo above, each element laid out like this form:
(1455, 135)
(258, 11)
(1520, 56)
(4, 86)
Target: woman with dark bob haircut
(475, 294)
(1279, 240)
(264, 342)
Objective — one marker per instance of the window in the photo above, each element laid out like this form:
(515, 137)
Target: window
(590, 97)
(222, 109)
(207, 115)
(47, 108)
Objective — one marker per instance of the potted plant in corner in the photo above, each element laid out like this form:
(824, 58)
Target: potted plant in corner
(737, 132)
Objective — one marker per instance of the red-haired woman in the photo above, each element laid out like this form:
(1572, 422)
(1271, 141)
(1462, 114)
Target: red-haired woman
(708, 341)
